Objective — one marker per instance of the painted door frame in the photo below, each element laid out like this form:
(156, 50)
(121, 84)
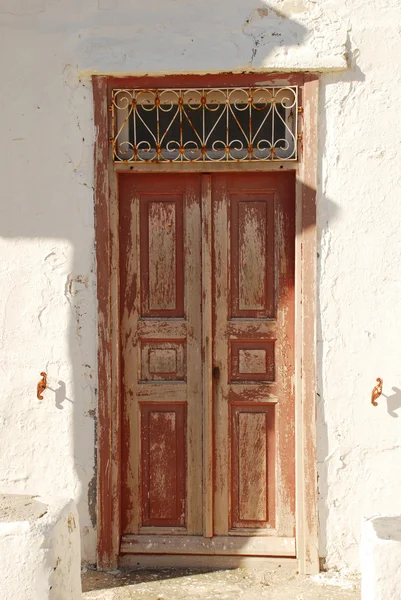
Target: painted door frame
(107, 255)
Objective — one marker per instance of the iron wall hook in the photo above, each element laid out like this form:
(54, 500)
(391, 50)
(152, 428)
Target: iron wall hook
(377, 391)
(42, 386)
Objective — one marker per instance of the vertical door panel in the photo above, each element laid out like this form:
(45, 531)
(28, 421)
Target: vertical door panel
(253, 348)
(160, 249)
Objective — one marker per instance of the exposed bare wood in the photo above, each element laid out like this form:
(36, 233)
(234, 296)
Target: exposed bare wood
(130, 302)
(207, 345)
(159, 561)
(157, 392)
(108, 447)
(162, 329)
(208, 80)
(200, 168)
(253, 461)
(220, 270)
(161, 340)
(253, 275)
(307, 520)
(222, 545)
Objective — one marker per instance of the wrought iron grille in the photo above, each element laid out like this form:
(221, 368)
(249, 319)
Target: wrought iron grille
(209, 125)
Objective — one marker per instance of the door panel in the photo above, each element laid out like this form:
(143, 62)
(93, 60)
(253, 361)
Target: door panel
(163, 464)
(253, 350)
(207, 363)
(160, 250)
(252, 466)
(251, 252)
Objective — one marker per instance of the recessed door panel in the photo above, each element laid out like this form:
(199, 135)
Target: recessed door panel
(160, 255)
(252, 254)
(163, 464)
(253, 455)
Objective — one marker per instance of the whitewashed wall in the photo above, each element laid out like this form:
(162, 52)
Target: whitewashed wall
(48, 49)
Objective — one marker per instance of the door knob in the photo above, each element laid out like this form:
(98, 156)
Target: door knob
(216, 372)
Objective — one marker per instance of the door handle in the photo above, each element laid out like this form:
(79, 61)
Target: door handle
(216, 372)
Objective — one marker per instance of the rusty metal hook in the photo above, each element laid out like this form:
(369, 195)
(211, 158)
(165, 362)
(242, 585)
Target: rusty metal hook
(377, 391)
(42, 386)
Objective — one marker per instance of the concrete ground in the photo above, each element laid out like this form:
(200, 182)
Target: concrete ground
(202, 584)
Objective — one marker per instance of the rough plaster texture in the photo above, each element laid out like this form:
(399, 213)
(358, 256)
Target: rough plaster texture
(14, 507)
(39, 549)
(381, 558)
(48, 302)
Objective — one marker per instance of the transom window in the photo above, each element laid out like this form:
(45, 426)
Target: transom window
(205, 125)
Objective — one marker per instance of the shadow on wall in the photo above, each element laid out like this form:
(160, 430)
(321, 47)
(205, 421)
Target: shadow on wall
(60, 395)
(76, 398)
(327, 213)
(54, 216)
(269, 29)
(393, 402)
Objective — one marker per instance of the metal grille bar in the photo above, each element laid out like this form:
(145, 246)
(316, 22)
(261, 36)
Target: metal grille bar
(209, 125)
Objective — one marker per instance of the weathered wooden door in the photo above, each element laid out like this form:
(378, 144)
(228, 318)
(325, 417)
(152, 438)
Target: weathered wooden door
(253, 356)
(207, 269)
(160, 255)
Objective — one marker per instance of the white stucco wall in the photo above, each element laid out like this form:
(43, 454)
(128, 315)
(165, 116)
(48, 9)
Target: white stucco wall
(48, 49)
(39, 548)
(359, 211)
(381, 558)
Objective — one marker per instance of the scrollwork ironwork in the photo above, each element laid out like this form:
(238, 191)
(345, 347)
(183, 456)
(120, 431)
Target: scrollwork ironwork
(209, 125)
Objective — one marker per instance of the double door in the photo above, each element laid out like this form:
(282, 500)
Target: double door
(207, 363)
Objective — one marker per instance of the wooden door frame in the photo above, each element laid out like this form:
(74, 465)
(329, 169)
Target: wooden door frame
(107, 256)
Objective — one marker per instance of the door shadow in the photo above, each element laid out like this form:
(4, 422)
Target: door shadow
(327, 212)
